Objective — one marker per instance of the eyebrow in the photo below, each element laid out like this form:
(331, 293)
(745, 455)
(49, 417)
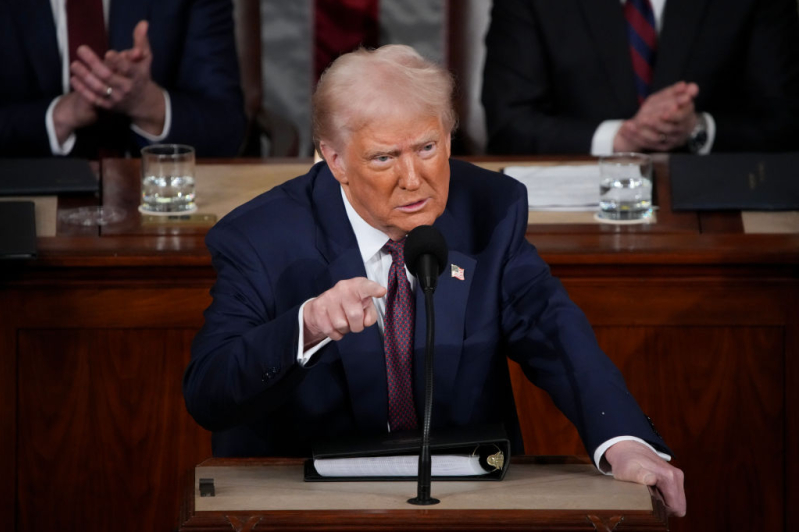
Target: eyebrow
(394, 150)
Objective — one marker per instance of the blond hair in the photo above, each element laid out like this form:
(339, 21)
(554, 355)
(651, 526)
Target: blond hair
(364, 85)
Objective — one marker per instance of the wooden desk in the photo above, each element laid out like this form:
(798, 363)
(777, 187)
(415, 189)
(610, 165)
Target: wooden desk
(537, 494)
(701, 318)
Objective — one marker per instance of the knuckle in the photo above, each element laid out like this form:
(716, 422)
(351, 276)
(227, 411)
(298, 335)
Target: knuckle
(340, 324)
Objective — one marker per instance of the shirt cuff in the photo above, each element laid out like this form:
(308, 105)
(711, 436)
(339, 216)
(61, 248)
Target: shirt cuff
(303, 356)
(599, 454)
(711, 135)
(55, 147)
(602, 141)
(167, 122)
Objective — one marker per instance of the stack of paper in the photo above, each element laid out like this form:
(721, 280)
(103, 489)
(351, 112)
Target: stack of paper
(398, 466)
(559, 188)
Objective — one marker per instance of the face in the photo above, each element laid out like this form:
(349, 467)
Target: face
(395, 172)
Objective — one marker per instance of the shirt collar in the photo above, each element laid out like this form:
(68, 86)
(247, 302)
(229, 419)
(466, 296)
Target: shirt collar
(370, 240)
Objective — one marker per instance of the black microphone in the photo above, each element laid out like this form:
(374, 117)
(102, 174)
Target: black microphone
(425, 255)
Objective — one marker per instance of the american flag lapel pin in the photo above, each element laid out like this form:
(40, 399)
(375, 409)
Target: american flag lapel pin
(457, 272)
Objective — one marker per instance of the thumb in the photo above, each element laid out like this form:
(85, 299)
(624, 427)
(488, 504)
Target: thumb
(140, 39)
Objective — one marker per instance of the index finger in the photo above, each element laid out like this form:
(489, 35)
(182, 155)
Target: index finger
(94, 63)
(367, 289)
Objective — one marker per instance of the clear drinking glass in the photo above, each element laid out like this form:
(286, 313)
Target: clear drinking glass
(625, 187)
(167, 179)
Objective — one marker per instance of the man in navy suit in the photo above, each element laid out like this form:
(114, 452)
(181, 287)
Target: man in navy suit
(292, 350)
(559, 77)
(171, 75)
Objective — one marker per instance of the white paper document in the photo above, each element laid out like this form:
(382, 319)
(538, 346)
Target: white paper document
(445, 465)
(559, 188)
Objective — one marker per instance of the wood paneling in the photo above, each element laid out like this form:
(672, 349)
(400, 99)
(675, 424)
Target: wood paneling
(105, 442)
(791, 380)
(8, 411)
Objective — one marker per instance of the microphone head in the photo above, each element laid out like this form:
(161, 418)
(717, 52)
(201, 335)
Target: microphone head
(425, 240)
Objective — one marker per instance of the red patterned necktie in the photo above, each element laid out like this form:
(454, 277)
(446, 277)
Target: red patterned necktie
(643, 43)
(398, 340)
(86, 25)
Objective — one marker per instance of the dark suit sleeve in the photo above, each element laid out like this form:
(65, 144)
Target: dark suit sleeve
(767, 118)
(245, 357)
(520, 114)
(22, 129)
(207, 104)
(551, 339)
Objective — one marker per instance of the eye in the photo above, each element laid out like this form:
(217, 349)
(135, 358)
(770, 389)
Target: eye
(381, 158)
(429, 146)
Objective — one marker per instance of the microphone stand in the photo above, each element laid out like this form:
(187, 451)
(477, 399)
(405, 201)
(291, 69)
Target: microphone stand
(423, 497)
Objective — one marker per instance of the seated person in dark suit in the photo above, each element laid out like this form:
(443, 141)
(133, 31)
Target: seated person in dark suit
(568, 76)
(170, 75)
(315, 331)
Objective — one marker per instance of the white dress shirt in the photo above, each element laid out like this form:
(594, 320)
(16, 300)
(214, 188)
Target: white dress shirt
(60, 20)
(377, 263)
(602, 141)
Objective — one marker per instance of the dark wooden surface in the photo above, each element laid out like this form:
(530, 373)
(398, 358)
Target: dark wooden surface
(427, 519)
(94, 335)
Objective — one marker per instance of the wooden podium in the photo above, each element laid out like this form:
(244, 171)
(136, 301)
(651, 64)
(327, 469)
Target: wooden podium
(538, 493)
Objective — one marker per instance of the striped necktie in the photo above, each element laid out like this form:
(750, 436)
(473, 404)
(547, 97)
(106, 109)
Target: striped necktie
(398, 340)
(643, 43)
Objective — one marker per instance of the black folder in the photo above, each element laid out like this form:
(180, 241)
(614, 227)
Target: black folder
(54, 175)
(735, 181)
(17, 230)
(484, 441)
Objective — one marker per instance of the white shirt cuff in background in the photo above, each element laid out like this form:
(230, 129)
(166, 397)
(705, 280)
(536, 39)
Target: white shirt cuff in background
(304, 356)
(602, 141)
(167, 122)
(600, 451)
(711, 134)
(55, 147)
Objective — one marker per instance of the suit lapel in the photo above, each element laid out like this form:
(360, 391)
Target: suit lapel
(449, 300)
(681, 22)
(36, 22)
(362, 353)
(606, 24)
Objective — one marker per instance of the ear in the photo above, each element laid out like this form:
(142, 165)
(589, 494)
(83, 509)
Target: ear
(448, 145)
(334, 161)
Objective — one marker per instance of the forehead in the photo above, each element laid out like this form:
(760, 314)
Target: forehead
(397, 131)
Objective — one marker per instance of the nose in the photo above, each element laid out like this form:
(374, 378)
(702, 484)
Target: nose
(410, 177)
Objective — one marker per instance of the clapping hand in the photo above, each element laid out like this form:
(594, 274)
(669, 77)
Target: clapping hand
(664, 121)
(121, 82)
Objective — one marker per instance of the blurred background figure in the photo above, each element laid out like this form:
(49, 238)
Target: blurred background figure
(302, 37)
(642, 75)
(86, 77)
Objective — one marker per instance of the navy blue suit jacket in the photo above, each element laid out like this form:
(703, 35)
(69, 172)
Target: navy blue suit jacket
(295, 241)
(194, 58)
(555, 70)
